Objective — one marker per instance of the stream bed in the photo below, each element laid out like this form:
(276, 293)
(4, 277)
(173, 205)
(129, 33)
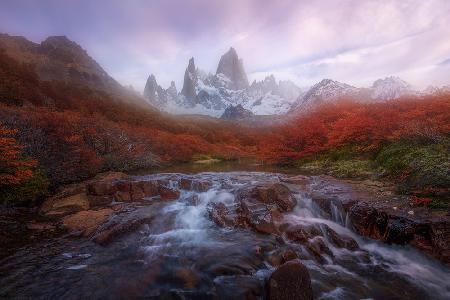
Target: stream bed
(183, 254)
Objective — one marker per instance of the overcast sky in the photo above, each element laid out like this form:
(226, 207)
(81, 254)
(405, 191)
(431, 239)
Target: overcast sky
(353, 41)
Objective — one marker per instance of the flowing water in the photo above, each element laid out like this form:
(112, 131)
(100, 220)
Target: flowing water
(182, 254)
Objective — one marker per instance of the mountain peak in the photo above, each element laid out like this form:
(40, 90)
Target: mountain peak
(232, 67)
(191, 65)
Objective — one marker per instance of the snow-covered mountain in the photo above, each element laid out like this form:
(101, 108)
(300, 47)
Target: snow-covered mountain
(211, 94)
(390, 88)
(329, 90)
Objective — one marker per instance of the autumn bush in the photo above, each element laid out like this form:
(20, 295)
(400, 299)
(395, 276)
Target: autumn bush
(404, 139)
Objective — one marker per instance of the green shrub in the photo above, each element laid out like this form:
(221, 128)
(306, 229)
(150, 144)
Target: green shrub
(27, 192)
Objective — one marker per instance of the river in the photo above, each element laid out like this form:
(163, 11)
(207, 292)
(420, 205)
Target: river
(183, 254)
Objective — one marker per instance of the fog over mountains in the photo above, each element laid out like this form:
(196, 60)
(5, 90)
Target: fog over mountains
(211, 94)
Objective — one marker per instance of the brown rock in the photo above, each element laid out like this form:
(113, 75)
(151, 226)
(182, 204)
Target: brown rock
(127, 220)
(186, 184)
(150, 188)
(277, 194)
(302, 233)
(168, 193)
(123, 196)
(136, 191)
(220, 214)
(201, 186)
(341, 241)
(61, 206)
(290, 281)
(87, 221)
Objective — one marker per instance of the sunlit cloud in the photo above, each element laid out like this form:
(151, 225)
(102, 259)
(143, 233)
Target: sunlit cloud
(352, 41)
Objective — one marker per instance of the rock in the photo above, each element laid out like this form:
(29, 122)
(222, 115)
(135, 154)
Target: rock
(236, 113)
(168, 193)
(431, 235)
(196, 185)
(222, 216)
(189, 83)
(301, 233)
(185, 184)
(201, 186)
(104, 184)
(280, 256)
(317, 247)
(277, 194)
(126, 220)
(341, 241)
(290, 281)
(189, 278)
(87, 221)
(61, 206)
(257, 215)
(232, 67)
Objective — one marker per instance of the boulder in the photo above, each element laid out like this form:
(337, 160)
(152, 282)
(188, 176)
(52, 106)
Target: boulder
(302, 233)
(258, 216)
(63, 205)
(168, 193)
(277, 194)
(222, 216)
(290, 281)
(126, 220)
(86, 222)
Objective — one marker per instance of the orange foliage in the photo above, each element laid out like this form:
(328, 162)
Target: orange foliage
(13, 167)
(361, 126)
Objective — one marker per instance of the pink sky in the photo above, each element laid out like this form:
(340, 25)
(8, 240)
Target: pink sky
(352, 41)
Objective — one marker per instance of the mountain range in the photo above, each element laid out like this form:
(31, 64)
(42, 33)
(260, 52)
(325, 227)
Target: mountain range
(212, 94)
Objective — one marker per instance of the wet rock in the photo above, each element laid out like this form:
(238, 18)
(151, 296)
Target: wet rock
(341, 241)
(168, 193)
(201, 186)
(126, 220)
(431, 235)
(239, 287)
(222, 216)
(280, 256)
(188, 276)
(318, 248)
(290, 281)
(277, 194)
(87, 221)
(440, 239)
(301, 233)
(194, 185)
(258, 216)
(185, 184)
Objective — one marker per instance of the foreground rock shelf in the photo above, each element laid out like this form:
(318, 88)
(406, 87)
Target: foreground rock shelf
(237, 236)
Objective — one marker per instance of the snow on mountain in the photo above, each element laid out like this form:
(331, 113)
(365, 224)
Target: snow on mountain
(325, 91)
(390, 88)
(211, 94)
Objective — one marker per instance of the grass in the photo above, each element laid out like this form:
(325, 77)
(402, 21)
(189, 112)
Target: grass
(420, 169)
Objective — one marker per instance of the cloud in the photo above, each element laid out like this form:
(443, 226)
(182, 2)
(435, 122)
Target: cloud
(348, 40)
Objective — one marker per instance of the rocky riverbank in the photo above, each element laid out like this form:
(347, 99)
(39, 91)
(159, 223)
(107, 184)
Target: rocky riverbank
(286, 217)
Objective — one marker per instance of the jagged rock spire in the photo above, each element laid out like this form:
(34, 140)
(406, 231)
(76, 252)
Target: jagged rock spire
(232, 67)
(151, 88)
(190, 81)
